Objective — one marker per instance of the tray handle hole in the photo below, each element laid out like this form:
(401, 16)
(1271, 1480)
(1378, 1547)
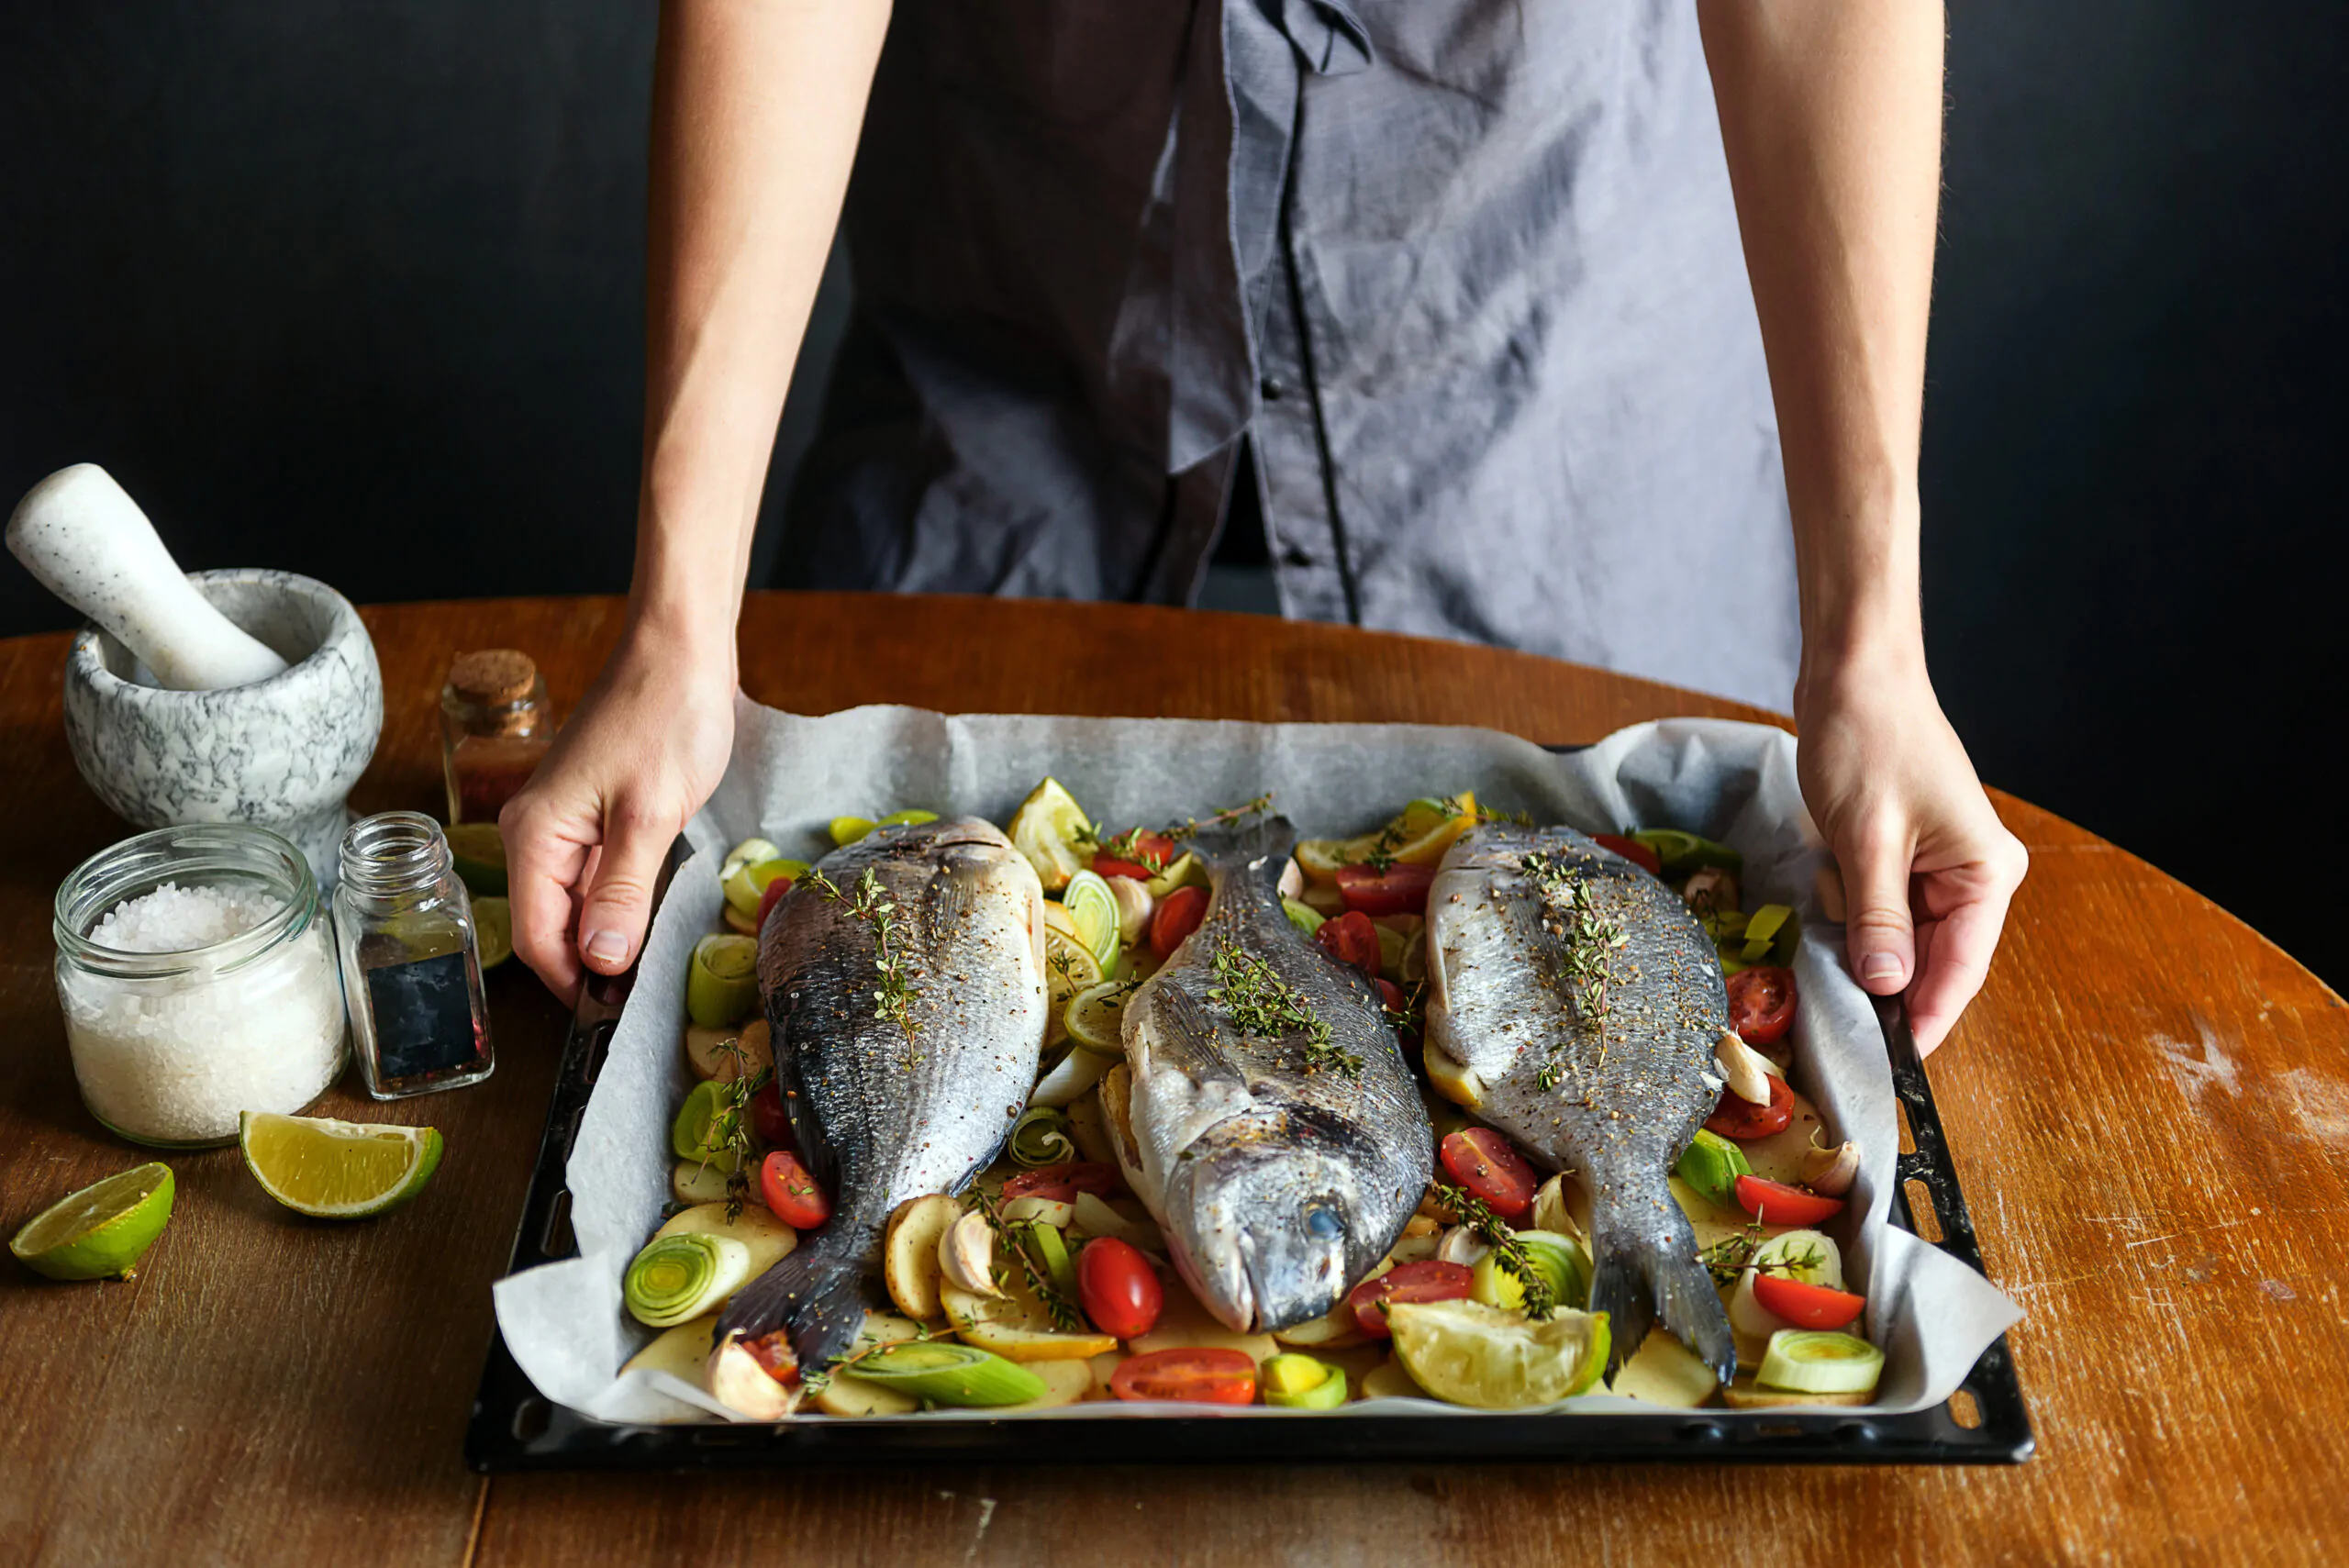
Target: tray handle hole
(558, 1241)
(599, 1046)
(1964, 1410)
(531, 1418)
(1907, 1139)
(1922, 1212)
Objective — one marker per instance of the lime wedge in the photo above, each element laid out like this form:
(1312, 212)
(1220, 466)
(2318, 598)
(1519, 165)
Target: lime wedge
(494, 930)
(103, 1229)
(479, 855)
(1468, 1353)
(336, 1170)
(1095, 1017)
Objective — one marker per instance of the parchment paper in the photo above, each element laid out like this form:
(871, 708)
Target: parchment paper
(790, 776)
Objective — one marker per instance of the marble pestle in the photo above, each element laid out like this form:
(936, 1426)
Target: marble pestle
(86, 541)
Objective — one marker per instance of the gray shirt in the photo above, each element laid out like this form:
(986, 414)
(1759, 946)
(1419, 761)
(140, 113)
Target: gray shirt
(1465, 274)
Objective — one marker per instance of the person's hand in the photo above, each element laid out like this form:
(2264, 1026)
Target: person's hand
(639, 756)
(1928, 867)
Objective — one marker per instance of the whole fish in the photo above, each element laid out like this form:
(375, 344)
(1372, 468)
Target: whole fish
(1585, 1001)
(887, 1103)
(1281, 1142)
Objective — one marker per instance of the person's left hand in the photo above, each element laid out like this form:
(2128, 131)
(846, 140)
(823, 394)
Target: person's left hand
(1928, 867)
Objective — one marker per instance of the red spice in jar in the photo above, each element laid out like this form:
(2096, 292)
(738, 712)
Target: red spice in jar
(495, 726)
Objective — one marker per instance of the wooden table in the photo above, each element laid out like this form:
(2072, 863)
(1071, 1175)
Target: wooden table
(2149, 1106)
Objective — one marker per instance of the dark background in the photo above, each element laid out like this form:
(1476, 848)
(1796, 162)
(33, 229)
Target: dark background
(355, 289)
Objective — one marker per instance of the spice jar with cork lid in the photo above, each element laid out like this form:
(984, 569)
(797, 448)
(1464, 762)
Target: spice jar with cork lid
(494, 728)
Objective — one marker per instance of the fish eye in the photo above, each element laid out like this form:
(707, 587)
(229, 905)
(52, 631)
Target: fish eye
(1323, 1223)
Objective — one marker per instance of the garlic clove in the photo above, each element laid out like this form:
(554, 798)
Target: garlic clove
(1550, 1213)
(1460, 1246)
(1746, 1070)
(1831, 1172)
(737, 1381)
(1292, 880)
(1135, 904)
(966, 1255)
(1709, 889)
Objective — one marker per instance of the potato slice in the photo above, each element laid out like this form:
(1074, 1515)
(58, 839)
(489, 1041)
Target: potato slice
(1089, 1128)
(1016, 1326)
(769, 1239)
(844, 1394)
(1746, 1395)
(1065, 1383)
(1665, 1372)
(683, 1352)
(696, 1182)
(1452, 1077)
(1336, 1328)
(1387, 1380)
(1116, 1089)
(1104, 1367)
(909, 1256)
(1186, 1325)
(704, 1055)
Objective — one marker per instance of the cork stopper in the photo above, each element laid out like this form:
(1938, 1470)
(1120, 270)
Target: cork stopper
(493, 675)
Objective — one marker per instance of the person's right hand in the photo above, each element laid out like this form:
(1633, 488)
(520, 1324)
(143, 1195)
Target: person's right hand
(638, 757)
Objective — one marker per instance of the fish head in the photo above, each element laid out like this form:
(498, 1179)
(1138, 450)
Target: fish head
(1270, 1233)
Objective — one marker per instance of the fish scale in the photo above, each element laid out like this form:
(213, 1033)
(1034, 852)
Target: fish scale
(1627, 1092)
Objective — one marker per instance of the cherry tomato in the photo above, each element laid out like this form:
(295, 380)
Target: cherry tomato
(1400, 889)
(1064, 1180)
(1429, 1281)
(1178, 915)
(1198, 1376)
(768, 1120)
(1746, 1121)
(774, 891)
(1761, 1005)
(1352, 938)
(791, 1194)
(1390, 995)
(1631, 850)
(1805, 1305)
(1482, 1161)
(1155, 848)
(1774, 1203)
(774, 1357)
(1118, 1288)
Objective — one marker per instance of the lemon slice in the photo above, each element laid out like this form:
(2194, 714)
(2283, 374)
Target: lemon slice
(1069, 968)
(1418, 837)
(479, 855)
(103, 1229)
(336, 1170)
(1046, 828)
(1095, 1017)
(1468, 1353)
(494, 930)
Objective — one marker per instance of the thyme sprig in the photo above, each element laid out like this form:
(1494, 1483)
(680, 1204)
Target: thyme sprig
(1541, 1301)
(893, 999)
(1057, 1306)
(1230, 813)
(729, 1124)
(1591, 942)
(1733, 1255)
(1264, 1007)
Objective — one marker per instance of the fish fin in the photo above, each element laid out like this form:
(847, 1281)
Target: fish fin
(1642, 1266)
(819, 1294)
(1263, 846)
(1181, 1035)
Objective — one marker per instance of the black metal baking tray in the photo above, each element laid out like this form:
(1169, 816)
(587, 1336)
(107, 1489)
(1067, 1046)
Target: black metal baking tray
(515, 1428)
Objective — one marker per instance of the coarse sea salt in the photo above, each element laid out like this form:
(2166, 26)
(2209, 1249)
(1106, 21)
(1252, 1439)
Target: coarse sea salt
(175, 1057)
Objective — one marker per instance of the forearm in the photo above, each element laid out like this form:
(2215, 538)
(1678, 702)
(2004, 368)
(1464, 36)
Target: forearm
(1831, 116)
(756, 109)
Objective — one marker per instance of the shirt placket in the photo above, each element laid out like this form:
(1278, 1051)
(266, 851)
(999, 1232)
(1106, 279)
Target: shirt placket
(1303, 529)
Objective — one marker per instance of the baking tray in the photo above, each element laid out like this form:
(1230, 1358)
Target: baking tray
(515, 1428)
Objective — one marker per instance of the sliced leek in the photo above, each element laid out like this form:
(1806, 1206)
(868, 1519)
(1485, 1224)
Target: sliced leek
(1093, 909)
(1304, 916)
(1071, 1076)
(1711, 1165)
(947, 1374)
(1813, 1360)
(694, 1136)
(1295, 1382)
(1563, 1264)
(722, 985)
(1049, 1248)
(679, 1276)
(1040, 1137)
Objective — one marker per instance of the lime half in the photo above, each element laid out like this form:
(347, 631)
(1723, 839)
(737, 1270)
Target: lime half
(479, 855)
(336, 1170)
(1469, 1353)
(494, 930)
(103, 1229)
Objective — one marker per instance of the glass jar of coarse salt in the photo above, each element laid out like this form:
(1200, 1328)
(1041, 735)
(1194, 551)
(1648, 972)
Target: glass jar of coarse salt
(196, 970)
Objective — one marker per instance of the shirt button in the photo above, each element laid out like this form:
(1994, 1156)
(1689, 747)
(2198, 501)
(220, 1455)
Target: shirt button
(1295, 555)
(1270, 390)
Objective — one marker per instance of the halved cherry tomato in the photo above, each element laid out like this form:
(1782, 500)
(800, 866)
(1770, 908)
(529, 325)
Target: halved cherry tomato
(1774, 1203)
(1351, 939)
(1432, 1280)
(1197, 1376)
(1178, 915)
(773, 1355)
(1761, 1005)
(1156, 848)
(1064, 1180)
(1400, 889)
(1118, 1288)
(768, 1120)
(1744, 1120)
(791, 1194)
(1483, 1162)
(1631, 850)
(1390, 995)
(767, 899)
(1805, 1305)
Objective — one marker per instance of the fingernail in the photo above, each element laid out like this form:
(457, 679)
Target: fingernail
(1880, 966)
(607, 947)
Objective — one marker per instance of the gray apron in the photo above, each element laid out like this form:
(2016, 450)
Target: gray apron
(1464, 276)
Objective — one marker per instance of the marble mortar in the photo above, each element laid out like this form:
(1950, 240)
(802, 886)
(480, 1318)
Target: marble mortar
(280, 752)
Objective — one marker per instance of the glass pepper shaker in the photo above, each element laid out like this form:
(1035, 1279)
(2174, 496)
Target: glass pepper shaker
(495, 726)
(411, 964)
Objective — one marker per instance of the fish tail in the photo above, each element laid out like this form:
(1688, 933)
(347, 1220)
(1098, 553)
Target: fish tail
(1262, 843)
(1645, 1263)
(817, 1294)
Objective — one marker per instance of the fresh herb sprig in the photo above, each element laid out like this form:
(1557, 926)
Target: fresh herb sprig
(1230, 813)
(893, 999)
(1591, 942)
(1733, 1255)
(1508, 1250)
(1264, 1007)
(730, 1123)
(1057, 1306)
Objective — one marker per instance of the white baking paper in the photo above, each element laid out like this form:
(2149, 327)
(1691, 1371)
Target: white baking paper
(790, 776)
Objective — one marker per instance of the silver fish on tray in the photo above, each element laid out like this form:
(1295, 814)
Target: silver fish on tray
(1582, 1002)
(1281, 1140)
(890, 1101)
